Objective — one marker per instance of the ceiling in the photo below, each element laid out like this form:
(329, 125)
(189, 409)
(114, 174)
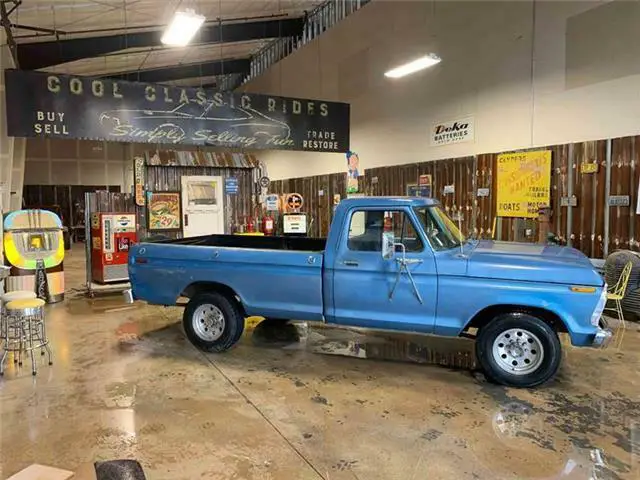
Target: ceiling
(121, 38)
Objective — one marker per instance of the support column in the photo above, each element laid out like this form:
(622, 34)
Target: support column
(12, 150)
(6, 143)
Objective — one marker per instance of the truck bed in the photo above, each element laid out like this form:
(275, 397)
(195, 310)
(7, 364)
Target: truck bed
(303, 244)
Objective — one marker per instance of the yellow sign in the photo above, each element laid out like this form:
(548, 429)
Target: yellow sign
(524, 183)
(589, 168)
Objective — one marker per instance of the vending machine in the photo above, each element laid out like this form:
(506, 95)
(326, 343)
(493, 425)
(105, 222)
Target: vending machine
(112, 234)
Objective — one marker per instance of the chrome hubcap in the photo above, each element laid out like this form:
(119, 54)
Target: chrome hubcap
(518, 351)
(208, 322)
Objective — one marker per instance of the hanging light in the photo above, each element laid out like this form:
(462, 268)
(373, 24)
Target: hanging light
(182, 28)
(414, 66)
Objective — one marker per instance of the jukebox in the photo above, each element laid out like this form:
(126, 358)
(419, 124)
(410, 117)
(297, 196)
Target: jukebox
(111, 236)
(34, 249)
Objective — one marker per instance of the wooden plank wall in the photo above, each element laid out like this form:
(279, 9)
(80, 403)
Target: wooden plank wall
(624, 224)
(582, 226)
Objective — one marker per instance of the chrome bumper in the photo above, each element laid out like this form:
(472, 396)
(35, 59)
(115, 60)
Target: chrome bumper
(128, 296)
(603, 335)
(602, 338)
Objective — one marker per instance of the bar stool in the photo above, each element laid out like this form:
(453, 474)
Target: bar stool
(24, 330)
(8, 297)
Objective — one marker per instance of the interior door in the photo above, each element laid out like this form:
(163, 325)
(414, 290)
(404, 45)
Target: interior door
(202, 206)
(367, 290)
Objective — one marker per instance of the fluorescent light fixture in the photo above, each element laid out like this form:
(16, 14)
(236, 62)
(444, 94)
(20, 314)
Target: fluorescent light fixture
(414, 66)
(182, 28)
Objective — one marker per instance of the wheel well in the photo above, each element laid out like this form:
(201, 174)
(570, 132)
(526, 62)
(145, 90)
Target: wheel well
(204, 287)
(486, 315)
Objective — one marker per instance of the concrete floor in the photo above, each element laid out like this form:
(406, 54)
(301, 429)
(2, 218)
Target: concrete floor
(294, 403)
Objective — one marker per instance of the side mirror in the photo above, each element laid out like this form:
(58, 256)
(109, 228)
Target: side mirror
(388, 245)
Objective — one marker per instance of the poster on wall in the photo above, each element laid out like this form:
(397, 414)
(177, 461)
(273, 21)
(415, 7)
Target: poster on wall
(139, 174)
(164, 211)
(523, 183)
(41, 104)
(422, 189)
(353, 172)
(454, 131)
(271, 203)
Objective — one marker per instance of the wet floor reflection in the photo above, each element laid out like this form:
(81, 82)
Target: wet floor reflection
(360, 343)
(556, 431)
(518, 427)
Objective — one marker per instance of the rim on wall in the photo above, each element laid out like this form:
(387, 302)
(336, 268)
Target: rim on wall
(518, 351)
(208, 322)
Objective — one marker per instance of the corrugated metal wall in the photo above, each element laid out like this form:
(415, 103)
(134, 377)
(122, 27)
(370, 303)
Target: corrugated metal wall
(591, 225)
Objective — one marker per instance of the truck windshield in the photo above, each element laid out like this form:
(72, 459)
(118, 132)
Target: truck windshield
(441, 231)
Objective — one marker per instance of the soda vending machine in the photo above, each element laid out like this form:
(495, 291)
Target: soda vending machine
(111, 236)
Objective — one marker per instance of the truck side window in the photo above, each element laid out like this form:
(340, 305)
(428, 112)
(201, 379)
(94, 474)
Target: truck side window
(366, 227)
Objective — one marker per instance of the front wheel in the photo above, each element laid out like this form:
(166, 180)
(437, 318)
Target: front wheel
(518, 350)
(213, 322)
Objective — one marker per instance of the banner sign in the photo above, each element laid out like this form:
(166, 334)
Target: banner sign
(62, 106)
(524, 183)
(455, 131)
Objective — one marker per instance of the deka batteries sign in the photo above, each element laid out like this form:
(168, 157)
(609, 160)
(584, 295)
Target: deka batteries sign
(454, 131)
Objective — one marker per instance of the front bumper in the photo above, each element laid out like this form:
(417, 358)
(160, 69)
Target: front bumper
(603, 336)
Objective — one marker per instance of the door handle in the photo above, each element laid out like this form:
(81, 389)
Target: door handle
(350, 263)
(186, 219)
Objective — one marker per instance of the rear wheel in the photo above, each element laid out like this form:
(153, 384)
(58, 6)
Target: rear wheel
(518, 350)
(213, 322)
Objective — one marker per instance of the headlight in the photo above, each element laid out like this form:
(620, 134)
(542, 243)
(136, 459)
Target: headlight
(597, 313)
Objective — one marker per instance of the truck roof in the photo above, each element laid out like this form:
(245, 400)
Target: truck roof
(390, 202)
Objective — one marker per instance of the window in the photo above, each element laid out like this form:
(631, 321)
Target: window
(366, 227)
(441, 231)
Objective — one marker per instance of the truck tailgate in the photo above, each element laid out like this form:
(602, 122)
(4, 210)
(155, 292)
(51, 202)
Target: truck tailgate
(277, 284)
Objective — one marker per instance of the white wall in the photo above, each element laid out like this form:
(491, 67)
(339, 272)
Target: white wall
(531, 74)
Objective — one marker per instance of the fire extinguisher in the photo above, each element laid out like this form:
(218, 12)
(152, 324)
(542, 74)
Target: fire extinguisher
(267, 225)
(251, 228)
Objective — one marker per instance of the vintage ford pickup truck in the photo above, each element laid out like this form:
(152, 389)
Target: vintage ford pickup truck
(391, 264)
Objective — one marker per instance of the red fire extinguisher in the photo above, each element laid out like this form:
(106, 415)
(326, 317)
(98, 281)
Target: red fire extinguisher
(267, 225)
(251, 228)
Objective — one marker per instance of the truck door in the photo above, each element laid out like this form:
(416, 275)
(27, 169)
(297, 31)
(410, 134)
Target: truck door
(369, 291)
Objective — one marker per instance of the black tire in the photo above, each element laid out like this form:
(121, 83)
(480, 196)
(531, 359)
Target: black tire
(547, 337)
(119, 470)
(233, 322)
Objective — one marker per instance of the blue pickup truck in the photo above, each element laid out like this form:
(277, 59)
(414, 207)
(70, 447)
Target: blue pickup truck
(390, 264)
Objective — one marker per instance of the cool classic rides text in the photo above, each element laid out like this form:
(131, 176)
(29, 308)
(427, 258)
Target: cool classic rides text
(169, 95)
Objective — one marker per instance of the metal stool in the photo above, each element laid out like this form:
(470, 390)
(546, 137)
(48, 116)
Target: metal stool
(8, 297)
(24, 331)
(18, 295)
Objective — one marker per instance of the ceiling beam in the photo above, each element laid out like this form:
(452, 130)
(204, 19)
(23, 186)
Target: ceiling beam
(38, 55)
(167, 74)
